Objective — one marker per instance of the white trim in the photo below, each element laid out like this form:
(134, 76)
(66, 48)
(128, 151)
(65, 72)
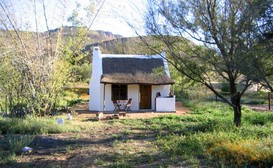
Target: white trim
(130, 56)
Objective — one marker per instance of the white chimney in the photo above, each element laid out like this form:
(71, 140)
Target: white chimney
(165, 62)
(94, 85)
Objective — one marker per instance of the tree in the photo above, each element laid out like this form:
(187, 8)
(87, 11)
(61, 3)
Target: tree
(226, 28)
(35, 66)
(33, 69)
(265, 24)
(259, 64)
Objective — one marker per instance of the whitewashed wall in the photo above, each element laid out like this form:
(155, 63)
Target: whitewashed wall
(163, 89)
(164, 104)
(133, 92)
(108, 94)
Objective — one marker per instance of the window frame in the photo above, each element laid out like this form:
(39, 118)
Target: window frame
(119, 92)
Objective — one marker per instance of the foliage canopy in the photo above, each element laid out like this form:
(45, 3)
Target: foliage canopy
(228, 32)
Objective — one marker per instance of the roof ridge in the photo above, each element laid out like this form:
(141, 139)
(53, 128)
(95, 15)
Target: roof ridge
(130, 56)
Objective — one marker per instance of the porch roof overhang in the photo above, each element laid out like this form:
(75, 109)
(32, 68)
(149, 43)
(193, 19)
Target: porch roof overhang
(138, 78)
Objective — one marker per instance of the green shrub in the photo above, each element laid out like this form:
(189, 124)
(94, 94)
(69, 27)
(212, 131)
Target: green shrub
(120, 164)
(225, 87)
(4, 125)
(17, 142)
(83, 72)
(255, 98)
(67, 97)
(245, 152)
(13, 145)
(209, 135)
(36, 125)
(198, 94)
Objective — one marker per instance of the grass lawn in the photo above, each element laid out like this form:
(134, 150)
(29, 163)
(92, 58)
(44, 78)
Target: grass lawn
(204, 137)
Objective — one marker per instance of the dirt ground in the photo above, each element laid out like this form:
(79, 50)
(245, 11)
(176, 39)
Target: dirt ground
(261, 107)
(105, 144)
(82, 111)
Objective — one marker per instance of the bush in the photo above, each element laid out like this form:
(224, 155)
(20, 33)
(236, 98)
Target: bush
(255, 98)
(209, 135)
(12, 145)
(39, 97)
(17, 142)
(245, 152)
(36, 125)
(225, 87)
(83, 72)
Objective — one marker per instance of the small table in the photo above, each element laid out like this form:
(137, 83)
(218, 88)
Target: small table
(122, 104)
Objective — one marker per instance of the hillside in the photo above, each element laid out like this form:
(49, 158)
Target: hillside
(66, 33)
(134, 45)
(108, 42)
(96, 36)
(126, 45)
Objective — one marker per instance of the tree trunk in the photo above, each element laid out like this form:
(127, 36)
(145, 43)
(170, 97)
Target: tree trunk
(237, 115)
(235, 99)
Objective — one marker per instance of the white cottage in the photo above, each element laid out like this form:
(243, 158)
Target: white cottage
(145, 79)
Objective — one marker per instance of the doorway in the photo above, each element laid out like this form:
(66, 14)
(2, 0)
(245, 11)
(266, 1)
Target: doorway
(145, 97)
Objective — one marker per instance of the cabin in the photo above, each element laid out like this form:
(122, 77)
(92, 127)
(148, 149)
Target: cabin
(145, 79)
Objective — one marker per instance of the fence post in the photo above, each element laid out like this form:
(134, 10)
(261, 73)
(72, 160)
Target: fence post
(269, 100)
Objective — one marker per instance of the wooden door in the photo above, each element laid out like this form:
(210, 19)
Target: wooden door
(145, 97)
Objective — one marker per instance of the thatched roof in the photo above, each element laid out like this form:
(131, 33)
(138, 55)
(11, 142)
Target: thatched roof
(134, 71)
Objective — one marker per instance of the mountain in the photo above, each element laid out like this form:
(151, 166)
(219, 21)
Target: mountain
(125, 45)
(66, 33)
(96, 36)
(108, 42)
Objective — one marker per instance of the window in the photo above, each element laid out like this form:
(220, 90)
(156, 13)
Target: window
(119, 92)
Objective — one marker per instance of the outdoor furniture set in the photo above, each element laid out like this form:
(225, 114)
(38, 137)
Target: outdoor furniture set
(122, 105)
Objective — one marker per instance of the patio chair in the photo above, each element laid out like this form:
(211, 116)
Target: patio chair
(116, 105)
(128, 105)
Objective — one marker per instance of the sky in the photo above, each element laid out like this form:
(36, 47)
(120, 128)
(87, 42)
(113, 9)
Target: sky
(111, 17)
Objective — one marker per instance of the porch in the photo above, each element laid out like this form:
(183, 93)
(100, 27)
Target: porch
(144, 97)
(83, 111)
